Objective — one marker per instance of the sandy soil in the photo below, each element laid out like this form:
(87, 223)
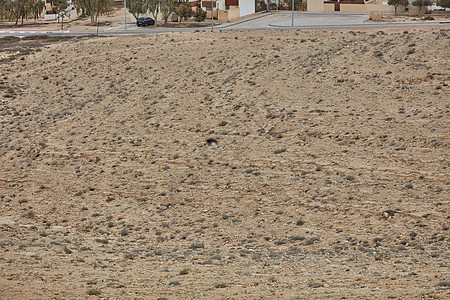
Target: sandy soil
(233, 165)
(436, 17)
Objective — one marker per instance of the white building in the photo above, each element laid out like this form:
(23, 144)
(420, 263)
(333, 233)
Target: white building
(228, 10)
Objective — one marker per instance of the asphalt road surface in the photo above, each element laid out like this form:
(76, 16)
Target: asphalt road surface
(265, 21)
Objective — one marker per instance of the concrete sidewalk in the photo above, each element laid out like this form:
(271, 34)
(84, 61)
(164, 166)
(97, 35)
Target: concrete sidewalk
(284, 19)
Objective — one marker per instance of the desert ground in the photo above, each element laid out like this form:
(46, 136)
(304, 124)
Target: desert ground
(226, 165)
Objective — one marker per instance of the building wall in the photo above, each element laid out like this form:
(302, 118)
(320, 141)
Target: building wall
(328, 7)
(221, 4)
(316, 6)
(236, 9)
(208, 14)
(380, 5)
(354, 8)
(383, 8)
(229, 15)
(247, 7)
(415, 10)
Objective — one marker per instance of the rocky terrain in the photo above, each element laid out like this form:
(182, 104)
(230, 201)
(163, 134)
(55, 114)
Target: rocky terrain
(226, 165)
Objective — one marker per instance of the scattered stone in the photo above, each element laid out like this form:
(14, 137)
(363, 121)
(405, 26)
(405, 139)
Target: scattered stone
(93, 292)
(350, 178)
(184, 272)
(443, 284)
(279, 150)
(297, 238)
(316, 285)
(312, 240)
(300, 222)
(195, 246)
(212, 142)
(388, 213)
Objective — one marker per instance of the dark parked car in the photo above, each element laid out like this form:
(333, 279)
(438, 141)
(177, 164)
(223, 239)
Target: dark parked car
(145, 21)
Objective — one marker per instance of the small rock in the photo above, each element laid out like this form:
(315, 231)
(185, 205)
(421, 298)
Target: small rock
(312, 240)
(197, 246)
(212, 142)
(388, 213)
(300, 222)
(297, 238)
(443, 284)
(279, 150)
(316, 285)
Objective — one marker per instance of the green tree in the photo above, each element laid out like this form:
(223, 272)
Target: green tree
(15, 10)
(38, 8)
(443, 3)
(297, 4)
(153, 6)
(94, 8)
(167, 7)
(60, 7)
(200, 15)
(397, 3)
(3, 8)
(421, 4)
(136, 7)
(184, 11)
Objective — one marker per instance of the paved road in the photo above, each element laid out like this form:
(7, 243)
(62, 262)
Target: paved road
(264, 21)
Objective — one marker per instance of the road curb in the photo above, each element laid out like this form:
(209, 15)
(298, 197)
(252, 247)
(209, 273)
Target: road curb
(34, 31)
(395, 24)
(243, 20)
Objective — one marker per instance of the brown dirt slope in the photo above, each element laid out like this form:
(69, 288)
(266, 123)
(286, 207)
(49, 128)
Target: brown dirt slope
(237, 165)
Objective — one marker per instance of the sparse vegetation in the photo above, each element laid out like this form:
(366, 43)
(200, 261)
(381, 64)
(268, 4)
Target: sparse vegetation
(443, 3)
(16, 10)
(397, 3)
(421, 4)
(200, 15)
(184, 11)
(93, 8)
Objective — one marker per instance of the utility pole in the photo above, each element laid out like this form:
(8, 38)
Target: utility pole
(212, 16)
(293, 2)
(267, 2)
(125, 9)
